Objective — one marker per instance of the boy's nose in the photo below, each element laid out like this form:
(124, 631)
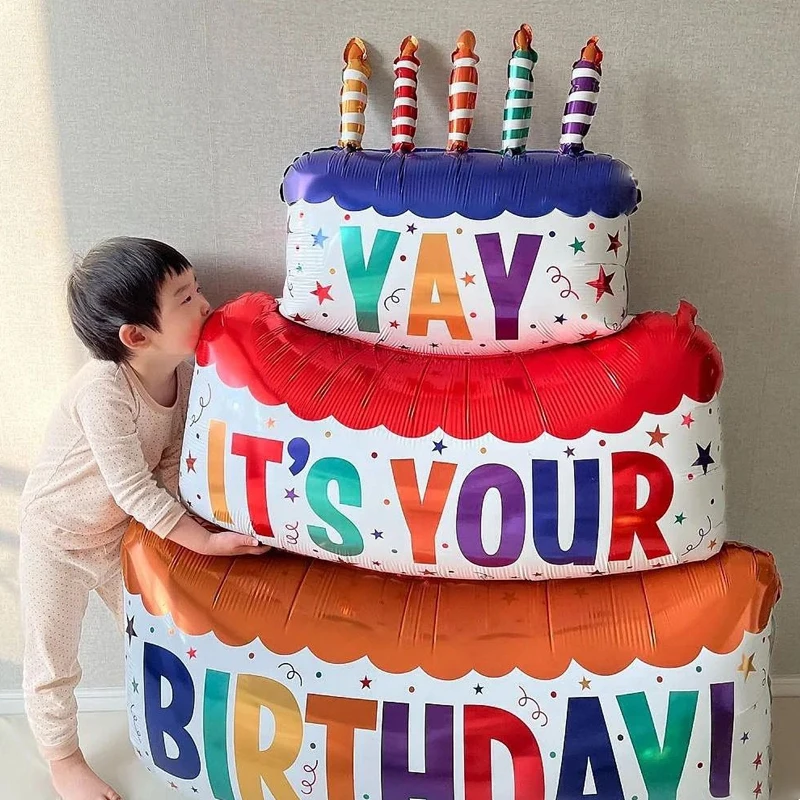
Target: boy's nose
(206, 310)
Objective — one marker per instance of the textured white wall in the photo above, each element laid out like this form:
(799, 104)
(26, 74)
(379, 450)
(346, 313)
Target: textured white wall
(176, 120)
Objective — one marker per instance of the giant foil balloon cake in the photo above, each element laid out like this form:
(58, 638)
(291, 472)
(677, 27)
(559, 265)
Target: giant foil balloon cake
(497, 500)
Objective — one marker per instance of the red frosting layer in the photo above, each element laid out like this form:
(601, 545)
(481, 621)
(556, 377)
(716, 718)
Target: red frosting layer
(604, 385)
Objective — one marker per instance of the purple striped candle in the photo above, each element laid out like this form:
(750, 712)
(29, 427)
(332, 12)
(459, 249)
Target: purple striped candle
(582, 100)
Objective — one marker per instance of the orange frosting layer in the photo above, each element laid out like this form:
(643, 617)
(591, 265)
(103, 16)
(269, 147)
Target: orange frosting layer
(450, 627)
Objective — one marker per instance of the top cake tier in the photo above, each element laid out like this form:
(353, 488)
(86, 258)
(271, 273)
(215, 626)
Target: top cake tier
(476, 185)
(458, 253)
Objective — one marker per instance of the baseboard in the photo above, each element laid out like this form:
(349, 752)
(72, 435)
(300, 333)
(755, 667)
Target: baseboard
(786, 686)
(114, 699)
(88, 700)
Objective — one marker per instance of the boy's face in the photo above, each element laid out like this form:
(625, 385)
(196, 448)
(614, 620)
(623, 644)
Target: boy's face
(182, 311)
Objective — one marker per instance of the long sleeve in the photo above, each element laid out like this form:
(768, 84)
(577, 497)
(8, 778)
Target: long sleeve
(107, 414)
(169, 467)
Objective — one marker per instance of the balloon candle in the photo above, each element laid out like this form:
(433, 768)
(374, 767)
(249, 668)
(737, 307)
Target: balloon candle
(353, 101)
(404, 113)
(463, 92)
(582, 99)
(519, 97)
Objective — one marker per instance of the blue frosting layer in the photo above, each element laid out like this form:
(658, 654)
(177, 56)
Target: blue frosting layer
(478, 184)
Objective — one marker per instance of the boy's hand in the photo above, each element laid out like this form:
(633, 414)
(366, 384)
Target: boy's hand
(228, 543)
(194, 536)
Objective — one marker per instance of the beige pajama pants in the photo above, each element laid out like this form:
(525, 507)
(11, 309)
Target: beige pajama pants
(54, 586)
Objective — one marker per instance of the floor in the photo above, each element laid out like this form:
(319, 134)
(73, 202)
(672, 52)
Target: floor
(23, 775)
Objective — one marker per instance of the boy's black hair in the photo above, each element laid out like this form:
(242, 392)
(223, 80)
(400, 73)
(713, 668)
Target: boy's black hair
(117, 283)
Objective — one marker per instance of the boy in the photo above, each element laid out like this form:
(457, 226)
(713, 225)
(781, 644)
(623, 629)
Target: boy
(111, 452)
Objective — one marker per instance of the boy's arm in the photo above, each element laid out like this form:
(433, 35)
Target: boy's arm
(106, 414)
(168, 469)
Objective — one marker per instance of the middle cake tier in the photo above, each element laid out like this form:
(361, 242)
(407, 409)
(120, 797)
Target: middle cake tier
(575, 461)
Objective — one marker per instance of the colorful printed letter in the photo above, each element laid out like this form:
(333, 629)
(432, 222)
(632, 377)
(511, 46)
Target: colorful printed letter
(366, 282)
(507, 288)
(257, 452)
(252, 763)
(342, 473)
(629, 520)
(435, 275)
(170, 720)
(424, 512)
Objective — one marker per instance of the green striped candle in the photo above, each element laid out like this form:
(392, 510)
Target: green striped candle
(519, 97)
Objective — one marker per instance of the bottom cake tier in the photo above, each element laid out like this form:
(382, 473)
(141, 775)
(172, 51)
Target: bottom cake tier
(284, 677)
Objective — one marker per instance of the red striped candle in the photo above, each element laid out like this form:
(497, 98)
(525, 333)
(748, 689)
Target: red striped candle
(463, 92)
(404, 113)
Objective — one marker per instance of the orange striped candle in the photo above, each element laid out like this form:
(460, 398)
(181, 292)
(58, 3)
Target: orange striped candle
(353, 99)
(463, 92)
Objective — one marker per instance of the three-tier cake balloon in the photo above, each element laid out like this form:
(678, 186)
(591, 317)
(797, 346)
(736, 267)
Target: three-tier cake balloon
(452, 397)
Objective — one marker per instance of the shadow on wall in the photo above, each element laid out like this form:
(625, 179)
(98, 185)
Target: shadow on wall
(731, 253)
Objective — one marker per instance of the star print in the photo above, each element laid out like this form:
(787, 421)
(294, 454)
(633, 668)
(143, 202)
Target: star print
(587, 337)
(322, 292)
(434, 345)
(411, 228)
(561, 319)
(366, 683)
(376, 563)
(194, 789)
(299, 267)
(428, 572)
(585, 684)
(509, 597)
(394, 324)
(270, 423)
(298, 318)
(704, 458)
(580, 591)
(747, 665)
(192, 653)
(657, 436)
(291, 494)
(615, 243)
(173, 785)
(439, 446)
(679, 518)
(319, 238)
(129, 630)
(468, 279)
(135, 686)
(745, 737)
(602, 284)
(688, 420)
(577, 246)
(757, 762)
(757, 791)
(190, 463)
(478, 689)
(377, 534)
(570, 451)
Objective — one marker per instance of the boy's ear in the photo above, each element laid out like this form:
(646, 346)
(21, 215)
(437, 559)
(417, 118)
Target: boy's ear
(133, 337)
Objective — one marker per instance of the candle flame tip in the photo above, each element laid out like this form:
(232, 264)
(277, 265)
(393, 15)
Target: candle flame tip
(355, 49)
(523, 38)
(465, 45)
(592, 52)
(409, 46)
